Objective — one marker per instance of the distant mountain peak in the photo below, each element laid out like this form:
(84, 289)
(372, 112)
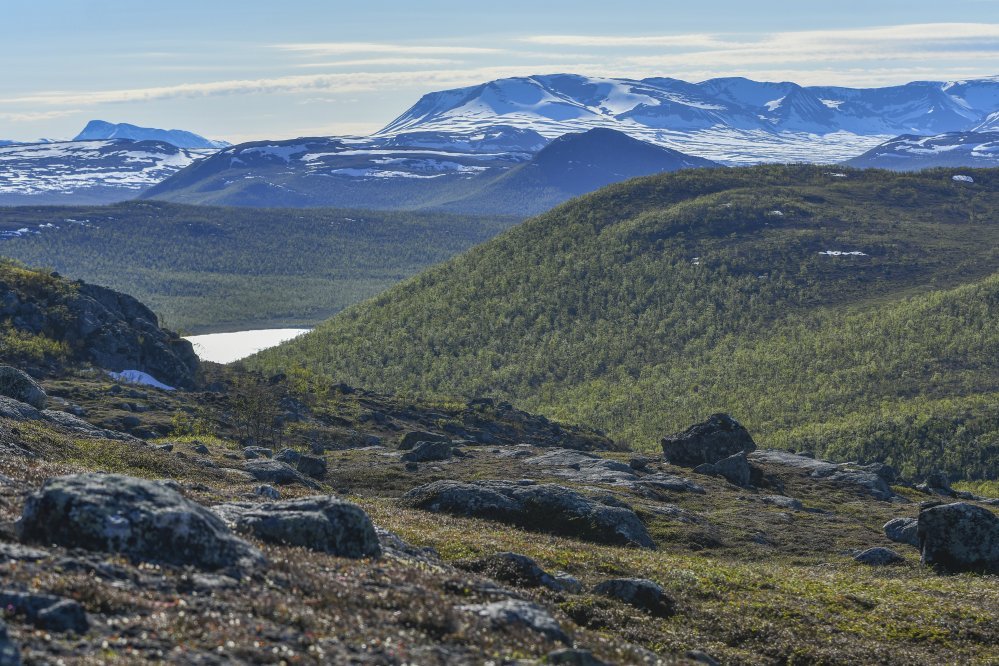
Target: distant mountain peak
(98, 130)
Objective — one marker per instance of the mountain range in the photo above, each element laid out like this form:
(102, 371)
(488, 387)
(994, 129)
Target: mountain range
(911, 152)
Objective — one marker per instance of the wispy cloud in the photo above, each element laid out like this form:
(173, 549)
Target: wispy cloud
(348, 48)
(369, 62)
(36, 116)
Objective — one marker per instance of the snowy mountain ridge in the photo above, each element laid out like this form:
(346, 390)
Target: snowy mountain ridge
(97, 130)
(731, 120)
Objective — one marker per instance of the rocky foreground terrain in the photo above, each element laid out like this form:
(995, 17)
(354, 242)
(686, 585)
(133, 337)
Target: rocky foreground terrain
(379, 529)
(289, 519)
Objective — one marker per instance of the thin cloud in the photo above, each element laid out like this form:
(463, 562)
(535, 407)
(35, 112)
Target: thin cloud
(367, 62)
(348, 48)
(36, 116)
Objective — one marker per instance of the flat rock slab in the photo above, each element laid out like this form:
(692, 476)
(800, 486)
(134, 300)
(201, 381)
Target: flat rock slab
(277, 472)
(143, 520)
(865, 480)
(584, 467)
(542, 507)
(321, 523)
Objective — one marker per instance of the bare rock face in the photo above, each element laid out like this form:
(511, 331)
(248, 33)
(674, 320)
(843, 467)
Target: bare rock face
(20, 386)
(143, 520)
(959, 537)
(321, 523)
(542, 507)
(717, 438)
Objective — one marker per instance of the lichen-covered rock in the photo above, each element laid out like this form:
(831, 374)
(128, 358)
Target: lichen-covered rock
(321, 523)
(512, 568)
(513, 612)
(542, 507)
(879, 557)
(312, 466)
(719, 437)
(18, 385)
(46, 611)
(428, 452)
(277, 472)
(288, 457)
(903, 530)
(959, 537)
(847, 474)
(734, 469)
(143, 520)
(10, 655)
(640, 593)
(411, 439)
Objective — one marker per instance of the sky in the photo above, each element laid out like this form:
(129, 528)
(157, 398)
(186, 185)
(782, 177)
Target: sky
(242, 70)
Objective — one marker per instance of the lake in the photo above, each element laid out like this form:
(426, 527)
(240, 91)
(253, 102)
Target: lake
(229, 347)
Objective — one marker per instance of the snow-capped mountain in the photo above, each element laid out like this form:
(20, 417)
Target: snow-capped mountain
(98, 130)
(731, 120)
(952, 149)
(79, 172)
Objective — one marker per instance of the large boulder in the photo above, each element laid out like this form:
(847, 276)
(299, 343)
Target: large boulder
(18, 385)
(903, 530)
(542, 507)
(143, 520)
(959, 537)
(719, 437)
(322, 523)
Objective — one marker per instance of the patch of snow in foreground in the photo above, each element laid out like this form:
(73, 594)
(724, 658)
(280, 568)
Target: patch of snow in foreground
(841, 253)
(229, 347)
(964, 179)
(139, 377)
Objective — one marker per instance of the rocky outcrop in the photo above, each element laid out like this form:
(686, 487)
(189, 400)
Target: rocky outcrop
(18, 385)
(411, 439)
(862, 478)
(640, 593)
(275, 471)
(546, 508)
(428, 452)
(101, 326)
(143, 520)
(321, 523)
(959, 537)
(719, 437)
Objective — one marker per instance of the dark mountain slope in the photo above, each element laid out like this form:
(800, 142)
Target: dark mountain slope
(657, 286)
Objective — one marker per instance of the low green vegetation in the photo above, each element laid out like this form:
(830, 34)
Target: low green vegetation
(646, 306)
(216, 269)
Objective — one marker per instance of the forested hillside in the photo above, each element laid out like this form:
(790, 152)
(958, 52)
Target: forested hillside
(851, 314)
(205, 269)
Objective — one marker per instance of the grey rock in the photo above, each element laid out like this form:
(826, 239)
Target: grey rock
(639, 463)
(10, 655)
(640, 593)
(165, 448)
(200, 448)
(701, 657)
(140, 519)
(410, 439)
(46, 611)
(959, 537)
(19, 385)
(584, 467)
(270, 492)
(18, 553)
(903, 530)
(428, 452)
(543, 507)
(277, 472)
(719, 437)
(321, 523)
(18, 411)
(514, 569)
(789, 503)
(313, 466)
(288, 457)
(864, 480)
(879, 557)
(513, 612)
(668, 482)
(393, 546)
(937, 483)
(573, 657)
(254, 452)
(734, 469)
(568, 582)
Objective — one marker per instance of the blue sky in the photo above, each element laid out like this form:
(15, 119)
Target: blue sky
(249, 69)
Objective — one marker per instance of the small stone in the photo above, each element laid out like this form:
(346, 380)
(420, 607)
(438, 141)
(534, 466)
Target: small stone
(270, 492)
(878, 557)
